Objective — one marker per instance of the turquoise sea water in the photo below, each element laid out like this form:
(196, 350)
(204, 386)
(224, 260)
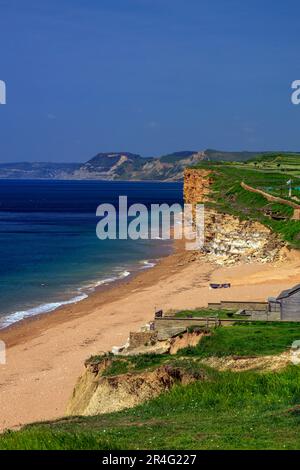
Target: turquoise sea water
(49, 251)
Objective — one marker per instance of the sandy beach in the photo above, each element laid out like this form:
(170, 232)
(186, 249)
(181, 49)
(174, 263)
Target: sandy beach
(45, 354)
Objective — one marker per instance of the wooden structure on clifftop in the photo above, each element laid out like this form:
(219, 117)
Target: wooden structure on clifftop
(289, 304)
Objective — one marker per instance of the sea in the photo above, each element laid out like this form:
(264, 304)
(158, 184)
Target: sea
(49, 252)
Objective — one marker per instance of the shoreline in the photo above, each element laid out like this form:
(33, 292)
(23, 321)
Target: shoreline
(88, 288)
(46, 353)
(83, 292)
(18, 332)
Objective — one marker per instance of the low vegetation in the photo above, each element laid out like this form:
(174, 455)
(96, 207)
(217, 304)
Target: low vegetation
(226, 410)
(122, 365)
(230, 411)
(288, 163)
(207, 312)
(248, 339)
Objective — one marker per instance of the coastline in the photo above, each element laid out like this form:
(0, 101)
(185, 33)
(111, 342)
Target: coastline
(99, 293)
(46, 353)
(83, 292)
(60, 259)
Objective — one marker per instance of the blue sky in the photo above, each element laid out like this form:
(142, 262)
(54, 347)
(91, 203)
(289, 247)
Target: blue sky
(147, 76)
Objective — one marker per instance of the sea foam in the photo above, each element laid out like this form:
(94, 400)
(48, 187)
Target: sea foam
(44, 308)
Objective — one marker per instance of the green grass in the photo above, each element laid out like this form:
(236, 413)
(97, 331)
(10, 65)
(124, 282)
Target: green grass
(206, 312)
(228, 411)
(253, 339)
(288, 163)
(122, 365)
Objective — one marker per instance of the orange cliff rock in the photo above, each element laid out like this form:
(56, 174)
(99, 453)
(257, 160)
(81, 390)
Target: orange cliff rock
(229, 240)
(196, 185)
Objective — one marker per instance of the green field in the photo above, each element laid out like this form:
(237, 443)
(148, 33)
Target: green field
(247, 339)
(273, 171)
(223, 410)
(278, 162)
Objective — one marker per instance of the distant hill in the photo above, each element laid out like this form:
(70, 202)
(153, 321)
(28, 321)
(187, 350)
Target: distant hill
(128, 166)
(111, 166)
(219, 155)
(277, 157)
(37, 170)
(175, 157)
(123, 166)
(107, 166)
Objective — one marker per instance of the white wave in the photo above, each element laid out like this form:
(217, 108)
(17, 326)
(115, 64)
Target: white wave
(125, 274)
(147, 264)
(15, 317)
(108, 280)
(44, 308)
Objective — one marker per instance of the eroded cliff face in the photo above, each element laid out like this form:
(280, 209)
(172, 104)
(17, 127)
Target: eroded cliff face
(229, 240)
(197, 186)
(96, 393)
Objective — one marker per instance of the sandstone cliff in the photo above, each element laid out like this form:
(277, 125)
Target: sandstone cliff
(228, 239)
(97, 393)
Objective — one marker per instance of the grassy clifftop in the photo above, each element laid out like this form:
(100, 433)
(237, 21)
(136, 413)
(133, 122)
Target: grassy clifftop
(226, 410)
(228, 196)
